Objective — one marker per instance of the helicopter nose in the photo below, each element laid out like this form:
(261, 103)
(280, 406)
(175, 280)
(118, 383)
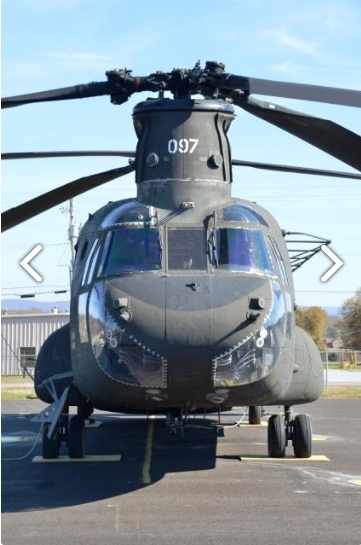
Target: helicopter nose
(260, 343)
(188, 311)
(207, 330)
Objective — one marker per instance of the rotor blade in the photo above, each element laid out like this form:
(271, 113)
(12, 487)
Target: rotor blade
(330, 137)
(29, 209)
(65, 93)
(50, 154)
(299, 91)
(297, 170)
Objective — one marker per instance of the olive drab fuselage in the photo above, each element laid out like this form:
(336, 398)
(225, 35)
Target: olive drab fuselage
(183, 296)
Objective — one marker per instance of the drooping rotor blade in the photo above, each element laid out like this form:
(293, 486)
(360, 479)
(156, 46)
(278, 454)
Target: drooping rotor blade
(297, 170)
(51, 154)
(299, 91)
(15, 216)
(330, 137)
(65, 93)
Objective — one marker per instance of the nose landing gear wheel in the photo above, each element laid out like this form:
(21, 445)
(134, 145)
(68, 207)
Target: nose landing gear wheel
(302, 436)
(277, 440)
(76, 437)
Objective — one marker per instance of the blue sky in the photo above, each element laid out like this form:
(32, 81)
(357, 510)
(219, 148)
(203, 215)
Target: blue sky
(49, 44)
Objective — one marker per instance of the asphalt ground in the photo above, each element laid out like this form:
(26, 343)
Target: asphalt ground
(161, 488)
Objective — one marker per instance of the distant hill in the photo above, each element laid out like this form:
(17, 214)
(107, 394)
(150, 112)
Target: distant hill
(333, 311)
(33, 306)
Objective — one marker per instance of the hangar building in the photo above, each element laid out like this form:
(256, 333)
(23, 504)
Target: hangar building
(22, 336)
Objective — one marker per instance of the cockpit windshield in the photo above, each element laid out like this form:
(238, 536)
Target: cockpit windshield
(187, 249)
(239, 249)
(131, 250)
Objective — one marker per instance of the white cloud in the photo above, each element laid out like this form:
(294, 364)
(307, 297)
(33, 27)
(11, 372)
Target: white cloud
(286, 67)
(292, 42)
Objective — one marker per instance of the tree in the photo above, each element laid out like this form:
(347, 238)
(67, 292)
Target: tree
(300, 317)
(351, 321)
(313, 320)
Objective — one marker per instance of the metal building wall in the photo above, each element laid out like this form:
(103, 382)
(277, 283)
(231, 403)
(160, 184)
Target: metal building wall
(25, 330)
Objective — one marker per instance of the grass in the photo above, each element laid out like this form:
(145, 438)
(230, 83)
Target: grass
(14, 378)
(18, 394)
(332, 392)
(342, 392)
(25, 389)
(27, 392)
(336, 365)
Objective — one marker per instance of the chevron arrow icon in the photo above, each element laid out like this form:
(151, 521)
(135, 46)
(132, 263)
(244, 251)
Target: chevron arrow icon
(337, 263)
(25, 262)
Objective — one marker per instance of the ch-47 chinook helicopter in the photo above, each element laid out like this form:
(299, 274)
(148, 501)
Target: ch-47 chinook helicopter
(182, 298)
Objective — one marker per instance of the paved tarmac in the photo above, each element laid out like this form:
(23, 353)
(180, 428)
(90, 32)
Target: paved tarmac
(165, 489)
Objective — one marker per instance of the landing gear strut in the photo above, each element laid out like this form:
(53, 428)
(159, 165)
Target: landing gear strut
(176, 420)
(70, 431)
(52, 442)
(57, 427)
(282, 429)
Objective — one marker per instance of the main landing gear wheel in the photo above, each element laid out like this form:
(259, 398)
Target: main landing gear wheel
(76, 437)
(50, 447)
(302, 436)
(276, 436)
(254, 414)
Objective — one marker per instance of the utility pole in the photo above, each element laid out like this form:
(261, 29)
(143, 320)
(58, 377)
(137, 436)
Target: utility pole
(73, 233)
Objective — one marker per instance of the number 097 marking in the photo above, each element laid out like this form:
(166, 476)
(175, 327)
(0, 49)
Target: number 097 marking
(184, 145)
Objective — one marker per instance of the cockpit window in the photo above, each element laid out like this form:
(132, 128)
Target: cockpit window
(239, 249)
(187, 249)
(238, 211)
(279, 261)
(129, 212)
(90, 263)
(131, 250)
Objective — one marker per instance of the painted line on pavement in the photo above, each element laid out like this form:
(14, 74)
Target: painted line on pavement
(315, 458)
(148, 453)
(89, 458)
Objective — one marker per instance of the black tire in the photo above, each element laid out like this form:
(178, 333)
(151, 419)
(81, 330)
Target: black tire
(76, 437)
(302, 436)
(254, 414)
(277, 440)
(50, 447)
(84, 411)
